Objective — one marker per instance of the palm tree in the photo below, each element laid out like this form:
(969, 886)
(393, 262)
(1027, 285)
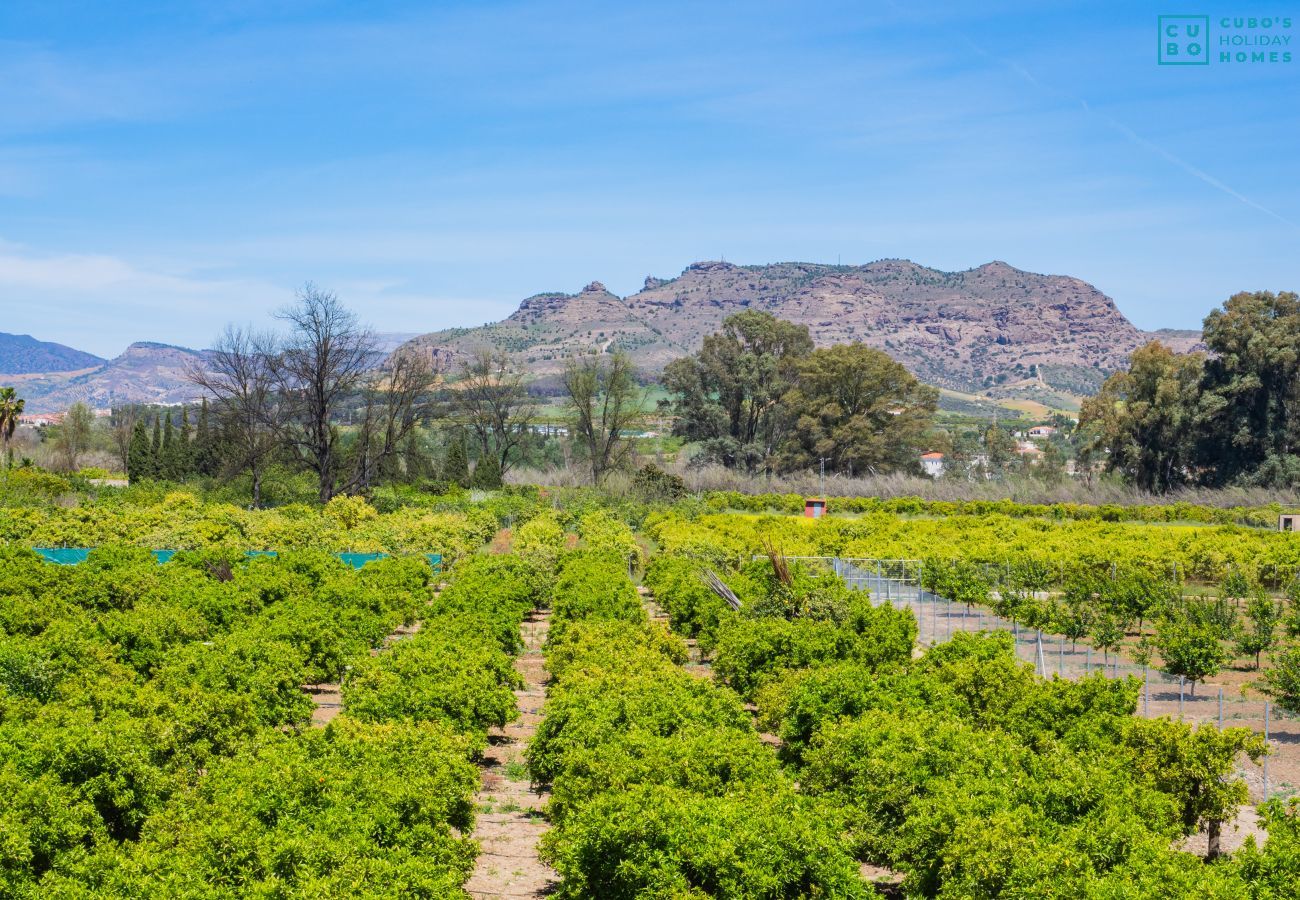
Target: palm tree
(11, 407)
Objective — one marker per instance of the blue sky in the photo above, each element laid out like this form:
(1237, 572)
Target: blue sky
(168, 167)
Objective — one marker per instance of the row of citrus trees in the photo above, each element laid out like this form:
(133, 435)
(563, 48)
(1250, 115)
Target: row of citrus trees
(154, 737)
(1036, 551)
(961, 770)
(793, 504)
(660, 784)
(1105, 586)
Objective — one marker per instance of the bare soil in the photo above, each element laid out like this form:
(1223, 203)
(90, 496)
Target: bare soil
(510, 820)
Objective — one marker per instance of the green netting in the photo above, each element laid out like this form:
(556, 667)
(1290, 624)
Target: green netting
(71, 556)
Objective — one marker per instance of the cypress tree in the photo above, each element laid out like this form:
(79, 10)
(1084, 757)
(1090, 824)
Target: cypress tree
(413, 462)
(155, 448)
(139, 455)
(186, 454)
(487, 473)
(167, 461)
(455, 467)
(204, 457)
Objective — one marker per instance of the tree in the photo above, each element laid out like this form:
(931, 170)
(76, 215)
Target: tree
(1106, 635)
(168, 461)
(858, 409)
(185, 445)
(727, 395)
(487, 473)
(999, 448)
(237, 375)
(316, 367)
(1250, 403)
(1282, 679)
(123, 421)
(1195, 767)
(605, 401)
(1261, 634)
(206, 458)
(491, 401)
(415, 463)
(455, 466)
(1190, 650)
(395, 402)
(1051, 468)
(74, 435)
(11, 407)
(139, 458)
(1145, 418)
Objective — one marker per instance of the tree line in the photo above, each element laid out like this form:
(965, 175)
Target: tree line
(1222, 417)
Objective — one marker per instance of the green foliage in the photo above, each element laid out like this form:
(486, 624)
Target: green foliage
(726, 396)
(1282, 680)
(1190, 650)
(659, 841)
(751, 651)
(453, 671)
(455, 464)
(653, 485)
(1260, 635)
(487, 473)
(693, 609)
(858, 409)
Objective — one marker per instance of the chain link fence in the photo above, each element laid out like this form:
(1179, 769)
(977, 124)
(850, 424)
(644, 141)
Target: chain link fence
(898, 583)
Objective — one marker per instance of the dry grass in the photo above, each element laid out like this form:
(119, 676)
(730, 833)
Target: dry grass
(1019, 489)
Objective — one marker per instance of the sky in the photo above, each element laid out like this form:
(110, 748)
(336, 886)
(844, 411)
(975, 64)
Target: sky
(168, 167)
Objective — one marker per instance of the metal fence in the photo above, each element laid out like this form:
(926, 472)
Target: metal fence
(898, 583)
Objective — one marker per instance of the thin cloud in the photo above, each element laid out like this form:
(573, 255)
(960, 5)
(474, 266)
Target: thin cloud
(1133, 136)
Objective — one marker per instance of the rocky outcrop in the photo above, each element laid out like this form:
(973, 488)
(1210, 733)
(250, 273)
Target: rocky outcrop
(955, 329)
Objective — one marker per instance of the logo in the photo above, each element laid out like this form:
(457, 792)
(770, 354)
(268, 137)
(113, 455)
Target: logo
(1251, 40)
(1184, 41)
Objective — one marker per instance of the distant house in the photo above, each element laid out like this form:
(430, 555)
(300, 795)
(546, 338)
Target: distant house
(41, 419)
(1029, 449)
(1042, 431)
(932, 464)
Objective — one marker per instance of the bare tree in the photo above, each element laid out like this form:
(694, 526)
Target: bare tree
(318, 365)
(74, 436)
(606, 401)
(491, 401)
(237, 374)
(122, 426)
(397, 400)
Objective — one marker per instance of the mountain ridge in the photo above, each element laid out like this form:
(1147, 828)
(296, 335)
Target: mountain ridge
(22, 354)
(972, 330)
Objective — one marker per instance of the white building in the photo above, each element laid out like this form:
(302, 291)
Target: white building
(932, 464)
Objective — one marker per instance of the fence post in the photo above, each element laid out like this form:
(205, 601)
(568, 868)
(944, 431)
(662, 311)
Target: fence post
(1087, 661)
(1146, 693)
(1060, 656)
(1220, 709)
(1266, 723)
(1042, 666)
(1182, 680)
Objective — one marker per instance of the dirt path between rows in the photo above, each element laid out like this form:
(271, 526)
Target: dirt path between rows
(328, 696)
(510, 821)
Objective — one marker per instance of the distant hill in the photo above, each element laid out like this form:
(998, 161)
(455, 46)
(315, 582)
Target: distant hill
(146, 372)
(22, 354)
(993, 329)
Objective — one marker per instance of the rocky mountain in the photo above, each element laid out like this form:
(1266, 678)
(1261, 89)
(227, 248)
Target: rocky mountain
(976, 330)
(146, 372)
(22, 354)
